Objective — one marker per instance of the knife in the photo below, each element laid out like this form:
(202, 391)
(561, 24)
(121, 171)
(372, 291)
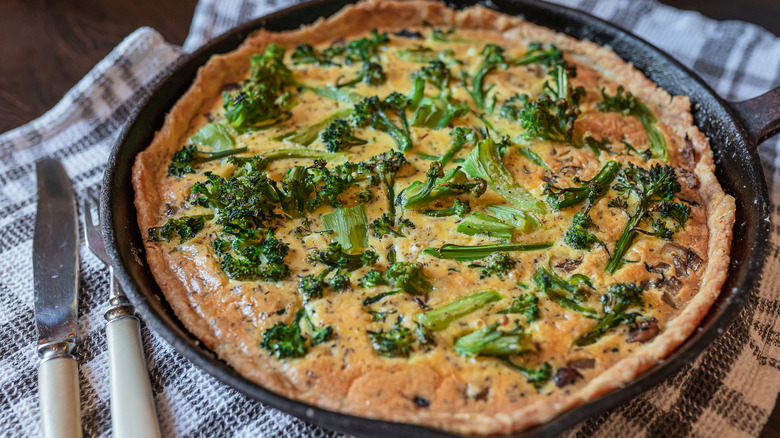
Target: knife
(56, 281)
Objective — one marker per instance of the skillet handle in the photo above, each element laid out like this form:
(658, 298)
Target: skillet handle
(760, 115)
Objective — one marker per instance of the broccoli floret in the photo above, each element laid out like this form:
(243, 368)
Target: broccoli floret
(498, 264)
(287, 340)
(437, 112)
(365, 49)
(467, 253)
(256, 259)
(307, 135)
(371, 73)
(617, 301)
(537, 54)
(526, 305)
(186, 227)
(313, 286)
(485, 162)
(421, 54)
(439, 186)
(577, 235)
(568, 294)
(306, 54)
(372, 111)
(649, 188)
(492, 342)
(629, 105)
(676, 211)
(409, 277)
(492, 59)
(383, 226)
(258, 163)
(186, 159)
(335, 257)
(261, 102)
(383, 167)
(440, 318)
(437, 74)
(591, 190)
(339, 136)
(459, 208)
(381, 315)
(373, 278)
(397, 342)
(460, 137)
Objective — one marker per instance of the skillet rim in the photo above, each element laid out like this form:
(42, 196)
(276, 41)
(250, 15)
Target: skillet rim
(725, 310)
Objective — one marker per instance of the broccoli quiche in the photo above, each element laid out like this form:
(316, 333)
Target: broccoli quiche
(450, 218)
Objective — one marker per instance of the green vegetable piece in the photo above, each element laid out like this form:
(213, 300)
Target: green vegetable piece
(397, 342)
(334, 93)
(187, 158)
(533, 157)
(486, 225)
(459, 208)
(335, 257)
(460, 137)
(439, 186)
(649, 188)
(371, 73)
(629, 105)
(421, 54)
(371, 111)
(526, 305)
(214, 135)
(379, 297)
(591, 190)
(306, 54)
(306, 136)
(384, 225)
(440, 318)
(350, 226)
(566, 293)
(466, 253)
(498, 263)
(484, 162)
(522, 221)
(409, 277)
(537, 54)
(619, 299)
(538, 377)
(492, 342)
(492, 59)
(286, 341)
(339, 136)
(186, 227)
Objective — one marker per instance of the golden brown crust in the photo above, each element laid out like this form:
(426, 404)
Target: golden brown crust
(185, 286)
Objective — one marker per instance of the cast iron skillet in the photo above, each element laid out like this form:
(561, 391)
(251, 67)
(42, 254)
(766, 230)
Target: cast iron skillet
(734, 129)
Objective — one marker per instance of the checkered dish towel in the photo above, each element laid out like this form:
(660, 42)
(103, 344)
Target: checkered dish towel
(729, 390)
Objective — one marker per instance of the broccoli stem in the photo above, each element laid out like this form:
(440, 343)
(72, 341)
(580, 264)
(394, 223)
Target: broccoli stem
(591, 189)
(464, 253)
(485, 162)
(350, 226)
(308, 135)
(439, 319)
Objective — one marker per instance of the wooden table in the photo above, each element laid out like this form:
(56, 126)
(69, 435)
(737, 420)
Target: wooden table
(46, 46)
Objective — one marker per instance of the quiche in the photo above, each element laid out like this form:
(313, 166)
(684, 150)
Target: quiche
(456, 219)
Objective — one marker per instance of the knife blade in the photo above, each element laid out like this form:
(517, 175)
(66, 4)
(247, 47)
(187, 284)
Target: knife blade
(56, 283)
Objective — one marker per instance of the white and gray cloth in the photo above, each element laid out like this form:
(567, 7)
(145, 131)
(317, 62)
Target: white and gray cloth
(729, 390)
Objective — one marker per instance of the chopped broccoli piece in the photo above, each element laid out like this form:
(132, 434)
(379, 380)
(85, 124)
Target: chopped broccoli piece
(440, 318)
(533, 157)
(397, 342)
(459, 208)
(492, 342)
(379, 297)
(486, 225)
(373, 278)
(261, 102)
(365, 49)
(381, 315)
(371, 73)
(526, 305)
(537, 377)
(409, 277)
(522, 221)
(313, 286)
(308, 135)
(617, 301)
(577, 235)
(537, 54)
(421, 54)
(306, 54)
(335, 257)
(498, 264)
(256, 259)
(649, 188)
(492, 59)
(259, 162)
(485, 162)
(629, 105)
(568, 294)
(591, 190)
(460, 137)
(383, 167)
(350, 226)
(466, 253)
(383, 226)
(440, 186)
(186, 227)
(646, 154)
(437, 74)
(287, 340)
(187, 158)
(372, 111)
(438, 112)
(339, 135)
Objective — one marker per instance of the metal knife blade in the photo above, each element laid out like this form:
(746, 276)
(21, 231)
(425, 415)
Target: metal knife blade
(55, 261)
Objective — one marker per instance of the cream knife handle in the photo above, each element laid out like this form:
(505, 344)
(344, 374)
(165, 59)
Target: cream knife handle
(132, 405)
(58, 396)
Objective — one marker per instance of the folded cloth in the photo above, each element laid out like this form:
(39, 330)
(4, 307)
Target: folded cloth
(729, 390)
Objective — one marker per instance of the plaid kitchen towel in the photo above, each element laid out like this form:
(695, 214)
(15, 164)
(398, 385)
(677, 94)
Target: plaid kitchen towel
(729, 390)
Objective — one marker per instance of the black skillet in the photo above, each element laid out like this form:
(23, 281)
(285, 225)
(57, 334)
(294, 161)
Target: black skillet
(734, 130)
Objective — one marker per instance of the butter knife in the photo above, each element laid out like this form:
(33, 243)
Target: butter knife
(56, 282)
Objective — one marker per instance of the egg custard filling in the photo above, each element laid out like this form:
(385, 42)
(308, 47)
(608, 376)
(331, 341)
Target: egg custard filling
(454, 219)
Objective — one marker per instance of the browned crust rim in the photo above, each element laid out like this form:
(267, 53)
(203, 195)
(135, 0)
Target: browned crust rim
(149, 168)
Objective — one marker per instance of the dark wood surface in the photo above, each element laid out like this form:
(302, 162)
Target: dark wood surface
(46, 46)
